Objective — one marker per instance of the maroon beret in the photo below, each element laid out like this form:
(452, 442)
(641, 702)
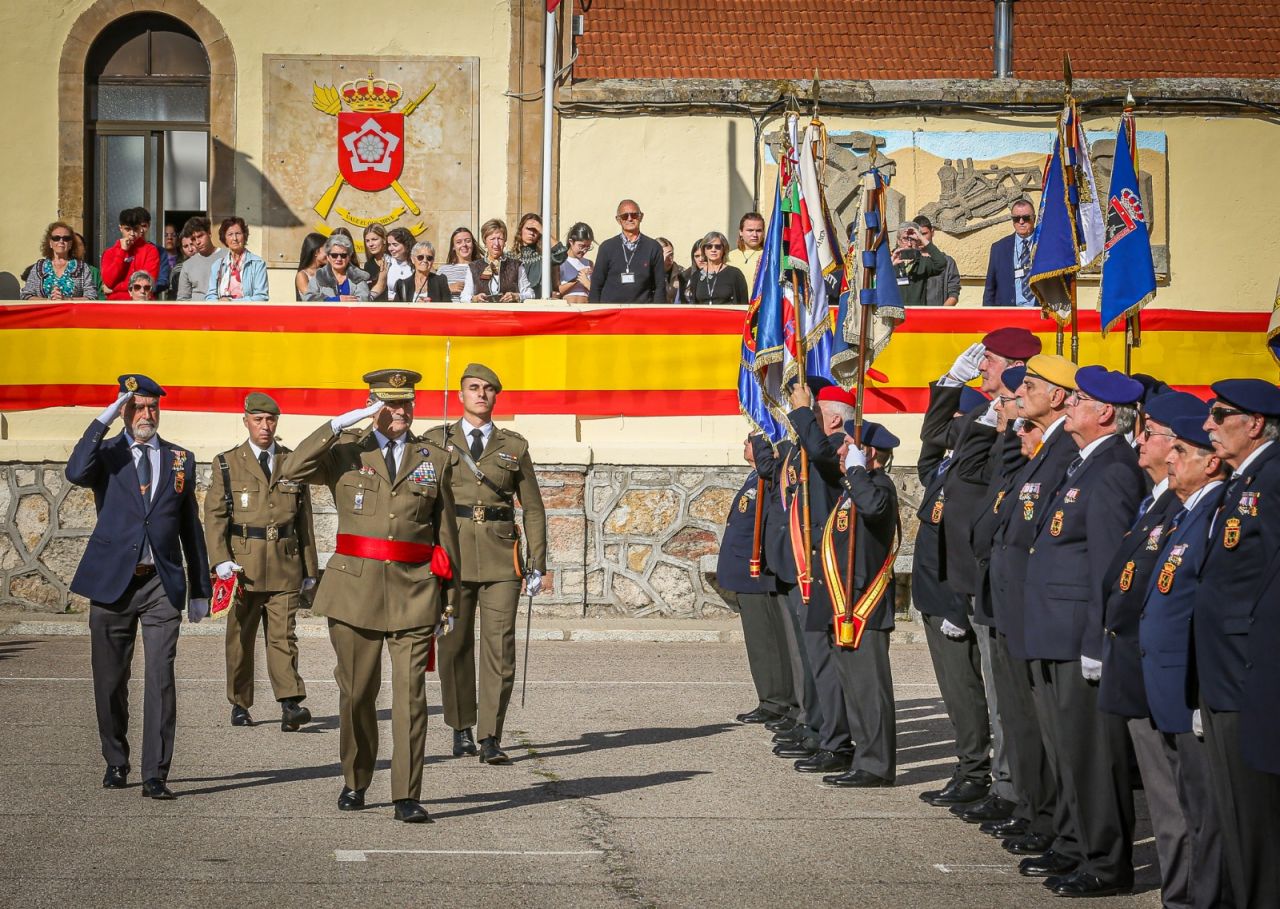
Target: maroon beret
(1012, 343)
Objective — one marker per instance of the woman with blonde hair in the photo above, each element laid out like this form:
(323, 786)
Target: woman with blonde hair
(60, 273)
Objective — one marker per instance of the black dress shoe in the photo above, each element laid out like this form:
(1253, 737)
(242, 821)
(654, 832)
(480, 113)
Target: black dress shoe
(351, 799)
(930, 794)
(409, 811)
(1046, 865)
(824, 762)
(1028, 844)
(759, 715)
(490, 753)
(791, 736)
(804, 748)
(1084, 884)
(857, 779)
(1014, 826)
(293, 715)
(964, 792)
(463, 742)
(116, 777)
(156, 789)
(240, 716)
(992, 808)
(781, 724)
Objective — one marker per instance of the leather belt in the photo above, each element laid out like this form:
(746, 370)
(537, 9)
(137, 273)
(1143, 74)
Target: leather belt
(482, 513)
(143, 571)
(387, 550)
(270, 532)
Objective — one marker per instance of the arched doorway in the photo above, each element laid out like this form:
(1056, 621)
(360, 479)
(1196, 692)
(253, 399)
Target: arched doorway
(147, 124)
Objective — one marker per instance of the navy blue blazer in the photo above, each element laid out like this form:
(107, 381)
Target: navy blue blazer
(1259, 726)
(1246, 537)
(1029, 492)
(928, 592)
(825, 478)
(1006, 460)
(1129, 575)
(874, 500)
(775, 543)
(1077, 534)
(999, 290)
(170, 523)
(733, 567)
(1164, 633)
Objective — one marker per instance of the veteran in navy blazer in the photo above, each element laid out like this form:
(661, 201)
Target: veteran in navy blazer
(132, 572)
(1005, 269)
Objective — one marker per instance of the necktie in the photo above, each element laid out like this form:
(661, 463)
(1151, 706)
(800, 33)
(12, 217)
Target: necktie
(264, 460)
(144, 471)
(477, 444)
(943, 465)
(1024, 262)
(391, 460)
(1142, 509)
(1231, 488)
(1177, 519)
(1074, 466)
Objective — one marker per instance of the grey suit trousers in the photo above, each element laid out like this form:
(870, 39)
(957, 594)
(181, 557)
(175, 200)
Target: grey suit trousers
(868, 693)
(764, 632)
(957, 664)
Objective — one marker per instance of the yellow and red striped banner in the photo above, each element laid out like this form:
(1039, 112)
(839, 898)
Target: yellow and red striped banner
(634, 361)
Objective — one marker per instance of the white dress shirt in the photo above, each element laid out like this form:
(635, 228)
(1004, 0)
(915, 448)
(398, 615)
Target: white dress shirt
(397, 450)
(271, 455)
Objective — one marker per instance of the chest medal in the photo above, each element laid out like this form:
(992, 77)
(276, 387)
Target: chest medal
(1164, 583)
(742, 505)
(936, 515)
(1055, 525)
(1126, 576)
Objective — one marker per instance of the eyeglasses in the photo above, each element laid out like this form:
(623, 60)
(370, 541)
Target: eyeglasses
(1005, 399)
(1079, 397)
(1148, 433)
(713, 246)
(1016, 218)
(59, 239)
(139, 286)
(629, 216)
(424, 258)
(1219, 414)
(338, 255)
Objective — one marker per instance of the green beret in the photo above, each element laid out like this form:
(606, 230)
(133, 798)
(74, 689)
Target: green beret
(484, 373)
(257, 402)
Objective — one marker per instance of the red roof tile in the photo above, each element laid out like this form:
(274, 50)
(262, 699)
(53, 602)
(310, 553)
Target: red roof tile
(889, 39)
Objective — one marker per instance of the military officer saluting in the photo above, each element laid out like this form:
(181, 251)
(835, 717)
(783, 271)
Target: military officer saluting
(260, 526)
(388, 581)
(495, 470)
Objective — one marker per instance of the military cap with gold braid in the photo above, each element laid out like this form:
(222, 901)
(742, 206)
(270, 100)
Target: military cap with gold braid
(484, 373)
(392, 384)
(1053, 368)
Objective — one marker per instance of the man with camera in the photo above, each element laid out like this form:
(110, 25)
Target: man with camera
(915, 261)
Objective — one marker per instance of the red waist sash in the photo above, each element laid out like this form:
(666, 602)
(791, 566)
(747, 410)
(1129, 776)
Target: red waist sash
(396, 551)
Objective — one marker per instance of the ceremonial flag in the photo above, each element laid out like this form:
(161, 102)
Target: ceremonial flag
(751, 399)
(774, 328)
(1273, 328)
(1128, 273)
(822, 255)
(1068, 235)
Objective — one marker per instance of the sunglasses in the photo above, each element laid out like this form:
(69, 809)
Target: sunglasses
(139, 286)
(713, 246)
(1021, 218)
(59, 239)
(337, 255)
(629, 216)
(424, 258)
(1219, 414)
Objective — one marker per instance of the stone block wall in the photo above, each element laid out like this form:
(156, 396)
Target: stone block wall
(622, 541)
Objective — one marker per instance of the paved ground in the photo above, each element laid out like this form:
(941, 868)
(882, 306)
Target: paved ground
(631, 786)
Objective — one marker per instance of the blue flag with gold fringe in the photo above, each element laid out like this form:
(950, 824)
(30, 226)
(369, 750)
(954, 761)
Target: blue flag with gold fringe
(763, 330)
(1128, 272)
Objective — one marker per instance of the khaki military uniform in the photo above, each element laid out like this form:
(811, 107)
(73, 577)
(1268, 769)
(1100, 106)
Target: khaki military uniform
(488, 538)
(375, 601)
(267, 531)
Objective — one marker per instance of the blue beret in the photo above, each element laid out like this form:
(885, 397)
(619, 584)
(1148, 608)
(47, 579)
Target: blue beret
(874, 434)
(1151, 386)
(139, 384)
(971, 398)
(1250, 395)
(1107, 385)
(1167, 407)
(1191, 429)
(1012, 377)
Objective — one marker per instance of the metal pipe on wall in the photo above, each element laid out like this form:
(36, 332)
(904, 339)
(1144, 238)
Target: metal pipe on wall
(548, 111)
(1003, 43)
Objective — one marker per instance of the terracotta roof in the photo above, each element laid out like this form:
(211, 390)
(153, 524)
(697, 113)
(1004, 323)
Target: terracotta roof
(889, 39)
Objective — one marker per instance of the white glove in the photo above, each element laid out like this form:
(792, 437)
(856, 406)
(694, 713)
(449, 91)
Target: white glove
(1090, 668)
(196, 610)
(991, 417)
(226, 569)
(965, 369)
(855, 457)
(533, 582)
(352, 417)
(108, 416)
(955, 632)
(1197, 724)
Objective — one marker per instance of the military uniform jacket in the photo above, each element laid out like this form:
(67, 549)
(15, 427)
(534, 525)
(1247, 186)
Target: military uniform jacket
(269, 565)
(930, 595)
(488, 548)
(1078, 533)
(1006, 460)
(775, 538)
(1128, 578)
(824, 490)
(1244, 542)
(963, 492)
(416, 506)
(733, 566)
(873, 500)
(169, 521)
(1029, 493)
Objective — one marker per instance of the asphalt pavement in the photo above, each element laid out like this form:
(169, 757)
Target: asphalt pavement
(631, 785)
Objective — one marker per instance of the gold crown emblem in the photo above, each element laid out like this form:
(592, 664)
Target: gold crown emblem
(398, 379)
(131, 384)
(371, 95)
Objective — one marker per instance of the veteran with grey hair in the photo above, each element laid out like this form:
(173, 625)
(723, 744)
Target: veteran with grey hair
(425, 285)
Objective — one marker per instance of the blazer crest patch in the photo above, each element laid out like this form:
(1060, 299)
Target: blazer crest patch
(1055, 524)
(1231, 533)
(842, 520)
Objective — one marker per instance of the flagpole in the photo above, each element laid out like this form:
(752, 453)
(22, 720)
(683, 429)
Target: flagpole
(1131, 328)
(548, 113)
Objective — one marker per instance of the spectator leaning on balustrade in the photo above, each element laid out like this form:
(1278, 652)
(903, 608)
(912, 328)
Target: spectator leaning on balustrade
(130, 253)
(496, 277)
(528, 249)
(424, 285)
(457, 267)
(629, 266)
(575, 271)
(61, 272)
(193, 283)
(338, 281)
(240, 274)
(310, 258)
(746, 256)
(375, 260)
(141, 286)
(718, 283)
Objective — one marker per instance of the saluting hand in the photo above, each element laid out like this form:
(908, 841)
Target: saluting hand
(108, 416)
(352, 417)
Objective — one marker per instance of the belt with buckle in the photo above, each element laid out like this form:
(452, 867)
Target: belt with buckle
(143, 571)
(270, 532)
(482, 513)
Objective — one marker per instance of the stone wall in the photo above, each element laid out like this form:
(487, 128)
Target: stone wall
(622, 541)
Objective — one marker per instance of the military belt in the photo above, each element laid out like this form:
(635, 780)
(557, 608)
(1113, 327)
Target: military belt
(482, 513)
(270, 532)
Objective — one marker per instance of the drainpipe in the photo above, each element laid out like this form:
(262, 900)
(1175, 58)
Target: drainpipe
(1003, 45)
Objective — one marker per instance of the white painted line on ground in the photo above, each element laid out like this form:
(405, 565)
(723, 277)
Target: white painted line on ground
(976, 869)
(362, 855)
(329, 681)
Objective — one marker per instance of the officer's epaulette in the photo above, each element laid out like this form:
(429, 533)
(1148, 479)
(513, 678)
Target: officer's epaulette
(426, 439)
(511, 433)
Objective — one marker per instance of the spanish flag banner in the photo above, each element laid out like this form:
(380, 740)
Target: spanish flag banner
(553, 358)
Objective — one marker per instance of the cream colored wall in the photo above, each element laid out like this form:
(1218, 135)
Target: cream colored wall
(687, 173)
(426, 27)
